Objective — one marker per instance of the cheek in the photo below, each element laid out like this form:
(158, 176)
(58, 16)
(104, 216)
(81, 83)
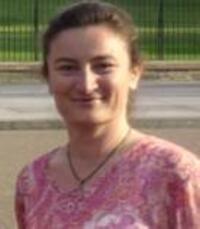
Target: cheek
(116, 94)
(120, 85)
(120, 94)
(58, 84)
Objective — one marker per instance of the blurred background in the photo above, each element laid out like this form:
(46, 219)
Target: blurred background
(162, 25)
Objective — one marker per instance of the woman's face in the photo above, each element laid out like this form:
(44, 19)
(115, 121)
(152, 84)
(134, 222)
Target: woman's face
(89, 75)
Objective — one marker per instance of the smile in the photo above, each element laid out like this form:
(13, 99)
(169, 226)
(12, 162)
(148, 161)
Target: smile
(86, 99)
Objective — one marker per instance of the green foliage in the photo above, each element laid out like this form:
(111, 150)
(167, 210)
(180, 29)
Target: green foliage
(23, 20)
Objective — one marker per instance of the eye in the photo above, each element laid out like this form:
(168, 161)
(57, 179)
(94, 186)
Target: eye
(67, 67)
(104, 67)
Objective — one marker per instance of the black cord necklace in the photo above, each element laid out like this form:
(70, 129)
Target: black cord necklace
(82, 181)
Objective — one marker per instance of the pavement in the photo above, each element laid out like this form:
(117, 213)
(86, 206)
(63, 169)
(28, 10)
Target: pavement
(157, 104)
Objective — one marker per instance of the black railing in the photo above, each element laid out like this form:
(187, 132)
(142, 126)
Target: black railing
(168, 29)
(36, 28)
(161, 30)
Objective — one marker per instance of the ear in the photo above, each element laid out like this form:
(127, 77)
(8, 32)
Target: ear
(135, 77)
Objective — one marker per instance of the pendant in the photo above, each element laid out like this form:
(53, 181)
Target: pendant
(81, 185)
(81, 189)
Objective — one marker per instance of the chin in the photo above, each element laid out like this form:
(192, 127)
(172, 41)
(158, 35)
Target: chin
(87, 120)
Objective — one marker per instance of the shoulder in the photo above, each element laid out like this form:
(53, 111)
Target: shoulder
(156, 154)
(33, 174)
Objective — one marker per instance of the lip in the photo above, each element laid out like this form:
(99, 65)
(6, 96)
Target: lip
(86, 100)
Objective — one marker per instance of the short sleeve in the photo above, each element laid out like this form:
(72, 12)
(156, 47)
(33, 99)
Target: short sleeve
(29, 185)
(19, 201)
(184, 195)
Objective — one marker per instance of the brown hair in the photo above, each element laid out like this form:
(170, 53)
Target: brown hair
(86, 13)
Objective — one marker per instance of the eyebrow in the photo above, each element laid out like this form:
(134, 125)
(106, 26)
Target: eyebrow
(65, 59)
(103, 57)
(74, 61)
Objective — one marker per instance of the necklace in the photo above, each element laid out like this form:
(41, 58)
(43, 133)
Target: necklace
(74, 172)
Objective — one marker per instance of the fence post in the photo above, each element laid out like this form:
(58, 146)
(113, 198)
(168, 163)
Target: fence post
(160, 34)
(36, 28)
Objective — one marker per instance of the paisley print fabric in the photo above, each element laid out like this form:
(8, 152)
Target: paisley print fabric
(154, 185)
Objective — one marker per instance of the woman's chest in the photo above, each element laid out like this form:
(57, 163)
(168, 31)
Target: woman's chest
(115, 200)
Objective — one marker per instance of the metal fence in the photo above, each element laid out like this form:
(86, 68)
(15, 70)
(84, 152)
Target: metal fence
(168, 29)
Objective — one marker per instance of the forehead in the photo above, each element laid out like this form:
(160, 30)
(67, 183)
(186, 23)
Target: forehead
(90, 40)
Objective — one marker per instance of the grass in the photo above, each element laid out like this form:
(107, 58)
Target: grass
(19, 39)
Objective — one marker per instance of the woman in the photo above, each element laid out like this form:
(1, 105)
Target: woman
(108, 175)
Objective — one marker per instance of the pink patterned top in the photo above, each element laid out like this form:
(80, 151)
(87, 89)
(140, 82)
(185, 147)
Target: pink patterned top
(154, 185)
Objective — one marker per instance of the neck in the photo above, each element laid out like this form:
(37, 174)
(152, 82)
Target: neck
(93, 142)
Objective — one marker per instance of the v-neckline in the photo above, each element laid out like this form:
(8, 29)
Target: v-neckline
(95, 182)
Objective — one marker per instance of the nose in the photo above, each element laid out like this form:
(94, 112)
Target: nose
(87, 81)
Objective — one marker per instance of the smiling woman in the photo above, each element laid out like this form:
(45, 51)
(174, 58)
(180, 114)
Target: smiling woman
(86, 66)
(107, 175)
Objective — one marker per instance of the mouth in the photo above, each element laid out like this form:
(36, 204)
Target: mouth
(86, 100)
